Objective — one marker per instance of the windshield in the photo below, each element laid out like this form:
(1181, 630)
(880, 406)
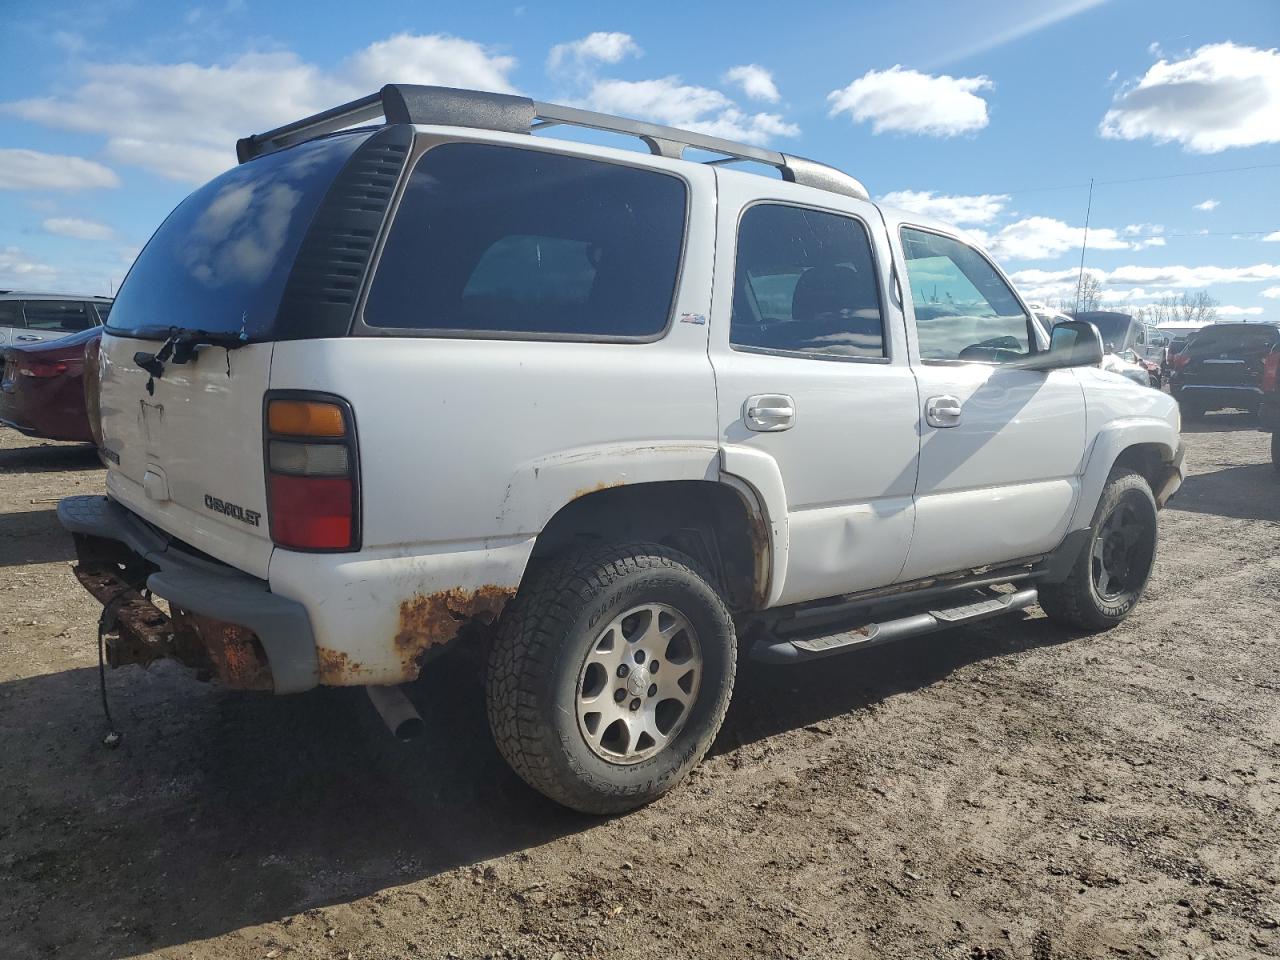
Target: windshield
(221, 259)
(1114, 328)
(1233, 340)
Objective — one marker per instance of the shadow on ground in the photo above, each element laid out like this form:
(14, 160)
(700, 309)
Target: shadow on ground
(221, 810)
(1248, 492)
(1223, 421)
(50, 457)
(33, 536)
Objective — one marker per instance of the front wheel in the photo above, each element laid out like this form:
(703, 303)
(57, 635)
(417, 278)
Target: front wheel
(610, 676)
(1110, 575)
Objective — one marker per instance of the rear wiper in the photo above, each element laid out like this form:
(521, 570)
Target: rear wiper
(180, 346)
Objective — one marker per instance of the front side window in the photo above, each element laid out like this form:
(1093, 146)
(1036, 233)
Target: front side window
(57, 316)
(805, 283)
(494, 240)
(964, 309)
(11, 313)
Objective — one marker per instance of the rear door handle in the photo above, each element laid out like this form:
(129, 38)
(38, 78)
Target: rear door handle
(769, 412)
(25, 336)
(942, 411)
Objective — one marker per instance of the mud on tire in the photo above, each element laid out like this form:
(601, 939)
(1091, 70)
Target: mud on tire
(542, 652)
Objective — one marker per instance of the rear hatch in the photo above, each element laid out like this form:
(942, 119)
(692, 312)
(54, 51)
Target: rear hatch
(273, 249)
(1228, 355)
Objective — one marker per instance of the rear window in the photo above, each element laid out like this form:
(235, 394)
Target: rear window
(1242, 339)
(220, 261)
(58, 316)
(492, 240)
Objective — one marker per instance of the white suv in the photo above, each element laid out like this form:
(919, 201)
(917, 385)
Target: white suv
(612, 417)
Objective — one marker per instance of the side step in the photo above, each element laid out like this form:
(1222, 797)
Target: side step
(773, 650)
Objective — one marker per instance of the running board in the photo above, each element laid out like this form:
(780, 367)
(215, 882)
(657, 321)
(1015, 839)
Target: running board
(772, 650)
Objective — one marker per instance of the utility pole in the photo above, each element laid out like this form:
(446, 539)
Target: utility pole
(1084, 246)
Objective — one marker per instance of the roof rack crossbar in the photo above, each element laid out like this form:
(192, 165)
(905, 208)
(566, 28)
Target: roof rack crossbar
(445, 106)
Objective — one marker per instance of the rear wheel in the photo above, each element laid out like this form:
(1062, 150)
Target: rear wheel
(1110, 575)
(610, 676)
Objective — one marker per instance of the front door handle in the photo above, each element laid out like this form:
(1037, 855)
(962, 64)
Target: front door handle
(25, 336)
(942, 411)
(769, 412)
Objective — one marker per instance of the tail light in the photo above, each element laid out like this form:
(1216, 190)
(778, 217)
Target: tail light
(1270, 372)
(313, 476)
(43, 369)
(1179, 360)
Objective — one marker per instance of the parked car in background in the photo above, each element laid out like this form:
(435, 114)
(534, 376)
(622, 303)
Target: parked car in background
(1125, 338)
(1130, 368)
(42, 389)
(1223, 365)
(36, 317)
(1269, 410)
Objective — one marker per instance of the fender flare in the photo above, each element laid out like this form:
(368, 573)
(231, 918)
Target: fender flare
(756, 476)
(1109, 443)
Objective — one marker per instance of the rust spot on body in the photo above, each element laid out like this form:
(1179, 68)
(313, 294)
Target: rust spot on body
(602, 485)
(433, 619)
(336, 668)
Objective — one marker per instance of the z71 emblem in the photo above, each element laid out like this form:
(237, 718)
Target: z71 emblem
(251, 517)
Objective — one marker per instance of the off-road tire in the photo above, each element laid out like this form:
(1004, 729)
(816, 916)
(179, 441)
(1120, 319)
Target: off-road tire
(533, 673)
(1076, 601)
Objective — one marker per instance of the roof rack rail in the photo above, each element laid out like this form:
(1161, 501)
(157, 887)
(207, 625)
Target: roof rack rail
(445, 106)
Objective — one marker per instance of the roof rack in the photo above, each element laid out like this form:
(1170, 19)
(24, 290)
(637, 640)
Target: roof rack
(445, 106)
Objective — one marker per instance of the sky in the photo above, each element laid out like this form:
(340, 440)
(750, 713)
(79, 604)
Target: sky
(992, 114)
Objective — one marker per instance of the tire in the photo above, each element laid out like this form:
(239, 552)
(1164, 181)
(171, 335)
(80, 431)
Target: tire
(545, 674)
(1108, 578)
(1191, 411)
(1275, 450)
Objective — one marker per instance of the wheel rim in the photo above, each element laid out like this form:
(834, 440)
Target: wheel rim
(1122, 552)
(638, 683)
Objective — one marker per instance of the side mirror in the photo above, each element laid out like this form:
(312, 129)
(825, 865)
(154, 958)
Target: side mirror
(1075, 343)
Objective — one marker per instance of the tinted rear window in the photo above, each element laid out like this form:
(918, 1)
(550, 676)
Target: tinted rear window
(221, 259)
(58, 316)
(1242, 339)
(501, 240)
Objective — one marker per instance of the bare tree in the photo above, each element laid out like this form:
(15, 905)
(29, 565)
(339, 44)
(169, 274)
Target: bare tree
(1087, 295)
(1185, 310)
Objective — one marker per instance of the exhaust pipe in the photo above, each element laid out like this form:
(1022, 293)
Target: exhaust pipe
(400, 716)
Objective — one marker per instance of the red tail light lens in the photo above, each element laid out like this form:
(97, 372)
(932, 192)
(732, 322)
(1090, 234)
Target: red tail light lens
(313, 490)
(41, 368)
(1270, 372)
(1179, 360)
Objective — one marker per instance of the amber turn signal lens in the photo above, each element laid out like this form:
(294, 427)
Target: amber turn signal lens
(305, 418)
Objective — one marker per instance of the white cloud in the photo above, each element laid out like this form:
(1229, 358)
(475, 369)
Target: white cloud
(1205, 205)
(1040, 238)
(1272, 293)
(898, 100)
(959, 209)
(77, 229)
(19, 269)
(1272, 237)
(598, 47)
(756, 82)
(182, 120)
(671, 101)
(1130, 283)
(1224, 95)
(32, 170)
(1230, 311)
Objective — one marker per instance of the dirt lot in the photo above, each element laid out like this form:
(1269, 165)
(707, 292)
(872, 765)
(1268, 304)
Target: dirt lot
(1003, 791)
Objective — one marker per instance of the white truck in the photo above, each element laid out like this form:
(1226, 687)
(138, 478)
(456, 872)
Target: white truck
(613, 417)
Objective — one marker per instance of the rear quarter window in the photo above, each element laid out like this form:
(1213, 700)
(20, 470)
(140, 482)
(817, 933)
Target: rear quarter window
(502, 241)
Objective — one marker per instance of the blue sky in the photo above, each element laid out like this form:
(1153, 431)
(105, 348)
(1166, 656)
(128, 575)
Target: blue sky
(992, 114)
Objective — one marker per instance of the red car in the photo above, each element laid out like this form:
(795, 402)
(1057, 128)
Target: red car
(42, 388)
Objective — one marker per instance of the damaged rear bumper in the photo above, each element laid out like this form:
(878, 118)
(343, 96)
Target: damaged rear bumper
(222, 619)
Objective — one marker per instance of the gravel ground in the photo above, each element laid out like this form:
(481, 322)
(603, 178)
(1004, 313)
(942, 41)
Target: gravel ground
(1000, 791)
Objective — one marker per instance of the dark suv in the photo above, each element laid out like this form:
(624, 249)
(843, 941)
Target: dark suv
(1223, 366)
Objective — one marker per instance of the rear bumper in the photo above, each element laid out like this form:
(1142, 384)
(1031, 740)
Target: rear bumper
(222, 619)
(1216, 394)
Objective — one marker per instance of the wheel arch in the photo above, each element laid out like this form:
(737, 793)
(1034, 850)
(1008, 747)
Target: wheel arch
(1144, 444)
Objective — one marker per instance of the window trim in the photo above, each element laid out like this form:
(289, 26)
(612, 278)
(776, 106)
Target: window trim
(885, 340)
(424, 144)
(1032, 341)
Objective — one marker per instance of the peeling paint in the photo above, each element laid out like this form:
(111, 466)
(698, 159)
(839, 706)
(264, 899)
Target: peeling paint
(602, 485)
(432, 620)
(336, 668)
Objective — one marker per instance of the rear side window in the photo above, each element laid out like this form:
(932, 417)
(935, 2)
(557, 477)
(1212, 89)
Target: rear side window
(11, 313)
(492, 240)
(805, 283)
(58, 316)
(104, 311)
(1233, 340)
(964, 310)
(220, 261)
